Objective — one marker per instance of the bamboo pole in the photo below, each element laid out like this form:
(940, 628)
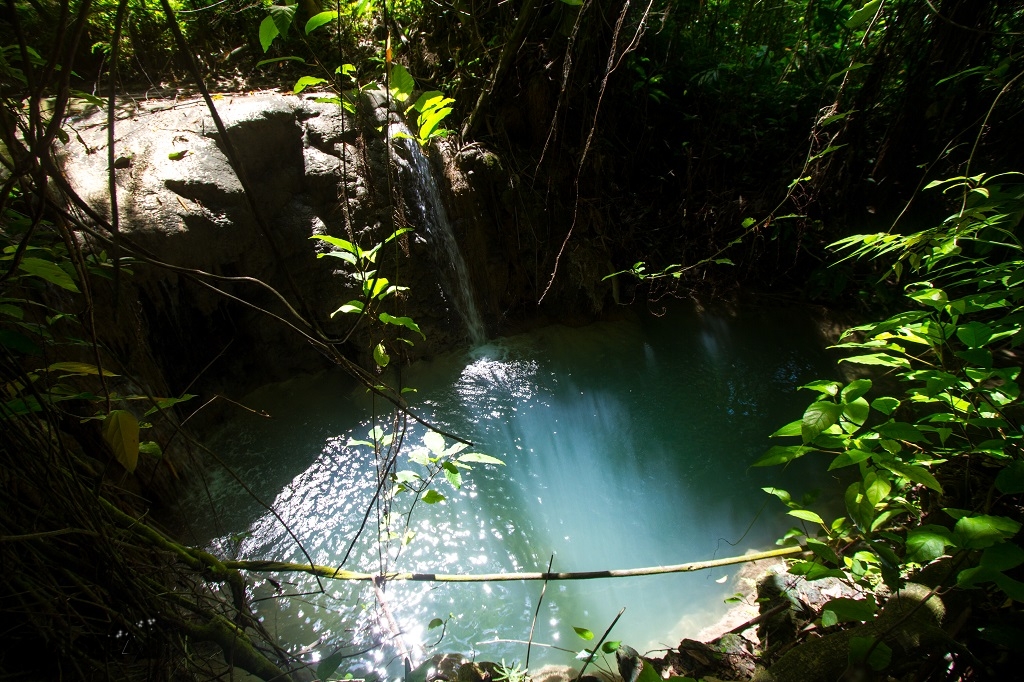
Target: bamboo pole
(339, 574)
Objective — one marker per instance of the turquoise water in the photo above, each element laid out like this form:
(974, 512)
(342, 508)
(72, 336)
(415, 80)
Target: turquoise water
(626, 444)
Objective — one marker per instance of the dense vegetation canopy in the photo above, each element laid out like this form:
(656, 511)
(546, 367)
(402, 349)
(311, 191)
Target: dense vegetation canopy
(863, 155)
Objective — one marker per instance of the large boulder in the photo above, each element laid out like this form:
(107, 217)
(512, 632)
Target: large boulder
(311, 169)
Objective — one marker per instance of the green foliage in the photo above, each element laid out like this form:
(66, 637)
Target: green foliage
(375, 288)
(949, 397)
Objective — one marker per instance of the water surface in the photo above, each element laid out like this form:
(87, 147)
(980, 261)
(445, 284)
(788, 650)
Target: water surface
(627, 444)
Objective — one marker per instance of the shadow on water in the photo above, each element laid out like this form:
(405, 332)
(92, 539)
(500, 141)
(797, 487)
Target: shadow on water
(627, 444)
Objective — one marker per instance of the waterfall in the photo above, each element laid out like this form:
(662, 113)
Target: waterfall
(415, 169)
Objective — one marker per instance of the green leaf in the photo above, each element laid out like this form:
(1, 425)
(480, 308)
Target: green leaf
(815, 571)
(268, 31)
(78, 369)
(428, 127)
(927, 543)
(823, 551)
(848, 458)
(338, 242)
(178, 155)
(406, 476)
(166, 403)
(917, 474)
(330, 664)
(824, 386)
(882, 359)
(406, 322)
(283, 15)
(901, 431)
(1010, 480)
(305, 82)
(121, 431)
(885, 404)
(611, 647)
(452, 473)
(781, 455)
(49, 271)
(1002, 557)
(818, 417)
(318, 20)
(806, 515)
(480, 458)
(1013, 588)
(401, 83)
(433, 497)
(855, 389)
(878, 657)
(935, 298)
(850, 610)
(793, 428)
(974, 334)
(584, 633)
(856, 413)
(151, 448)
(353, 306)
(781, 494)
(859, 507)
(435, 623)
(380, 356)
(979, 532)
(434, 441)
(876, 488)
(12, 311)
(265, 62)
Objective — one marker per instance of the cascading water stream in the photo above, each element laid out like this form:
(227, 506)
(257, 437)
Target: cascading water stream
(415, 169)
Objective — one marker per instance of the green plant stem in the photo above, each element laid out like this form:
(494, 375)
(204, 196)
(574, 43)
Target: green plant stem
(338, 574)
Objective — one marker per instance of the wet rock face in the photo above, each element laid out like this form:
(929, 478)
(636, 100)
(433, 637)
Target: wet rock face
(311, 169)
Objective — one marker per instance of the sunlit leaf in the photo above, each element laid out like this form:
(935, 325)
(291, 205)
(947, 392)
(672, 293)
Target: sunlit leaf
(380, 356)
(353, 306)
(306, 82)
(318, 20)
(806, 515)
(401, 83)
(793, 428)
(584, 633)
(979, 532)
(480, 458)
(917, 474)
(434, 441)
(927, 543)
(406, 322)
(848, 458)
(818, 417)
(268, 31)
(433, 497)
(882, 359)
(452, 473)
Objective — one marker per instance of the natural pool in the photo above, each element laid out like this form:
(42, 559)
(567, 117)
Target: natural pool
(627, 444)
